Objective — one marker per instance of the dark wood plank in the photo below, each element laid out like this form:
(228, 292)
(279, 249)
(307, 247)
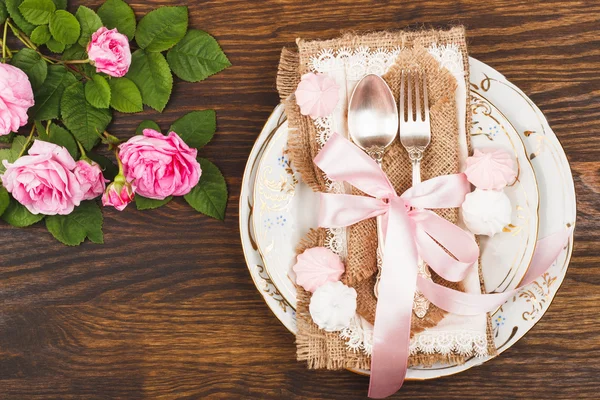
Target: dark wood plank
(167, 308)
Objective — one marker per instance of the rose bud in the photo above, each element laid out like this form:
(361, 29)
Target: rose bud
(119, 193)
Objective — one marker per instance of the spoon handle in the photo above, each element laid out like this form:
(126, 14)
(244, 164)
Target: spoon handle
(380, 246)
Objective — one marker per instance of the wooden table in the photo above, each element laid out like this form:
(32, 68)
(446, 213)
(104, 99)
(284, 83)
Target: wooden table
(166, 308)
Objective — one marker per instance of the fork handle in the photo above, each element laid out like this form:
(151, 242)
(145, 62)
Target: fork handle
(421, 304)
(416, 155)
(416, 171)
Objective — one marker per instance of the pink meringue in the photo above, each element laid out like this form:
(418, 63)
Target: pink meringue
(317, 266)
(490, 169)
(317, 95)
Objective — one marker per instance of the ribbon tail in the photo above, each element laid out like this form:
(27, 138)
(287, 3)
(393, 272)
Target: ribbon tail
(547, 251)
(391, 334)
(436, 237)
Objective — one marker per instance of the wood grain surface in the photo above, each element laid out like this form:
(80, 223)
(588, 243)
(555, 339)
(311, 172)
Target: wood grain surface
(167, 309)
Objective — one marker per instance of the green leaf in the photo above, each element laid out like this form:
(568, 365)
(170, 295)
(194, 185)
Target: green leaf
(7, 138)
(47, 97)
(109, 169)
(37, 12)
(62, 137)
(3, 12)
(125, 96)
(90, 22)
(40, 35)
(162, 28)
(147, 124)
(77, 52)
(196, 128)
(97, 92)
(12, 154)
(144, 203)
(17, 215)
(31, 63)
(197, 56)
(4, 155)
(55, 46)
(84, 221)
(209, 196)
(118, 14)
(15, 14)
(85, 121)
(4, 200)
(152, 75)
(64, 27)
(60, 4)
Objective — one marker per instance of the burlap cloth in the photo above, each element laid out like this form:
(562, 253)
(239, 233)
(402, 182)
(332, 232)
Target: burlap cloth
(318, 348)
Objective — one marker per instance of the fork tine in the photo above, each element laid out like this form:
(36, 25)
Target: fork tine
(409, 83)
(425, 100)
(416, 82)
(401, 99)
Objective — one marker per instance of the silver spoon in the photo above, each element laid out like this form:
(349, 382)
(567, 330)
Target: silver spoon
(373, 126)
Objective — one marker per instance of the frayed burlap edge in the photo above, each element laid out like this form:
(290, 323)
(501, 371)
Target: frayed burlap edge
(318, 348)
(302, 147)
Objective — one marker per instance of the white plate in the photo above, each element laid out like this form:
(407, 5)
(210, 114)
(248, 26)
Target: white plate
(557, 209)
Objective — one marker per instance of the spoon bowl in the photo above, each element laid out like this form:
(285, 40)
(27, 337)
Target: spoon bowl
(372, 115)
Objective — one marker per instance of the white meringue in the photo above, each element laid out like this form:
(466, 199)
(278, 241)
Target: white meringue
(486, 212)
(332, 306)
(316, 266)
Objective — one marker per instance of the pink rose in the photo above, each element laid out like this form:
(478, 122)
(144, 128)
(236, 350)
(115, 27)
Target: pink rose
(109, 52)
(43, 181)
(89, 175)
(16, 96)
(119, 193)
(161, 166)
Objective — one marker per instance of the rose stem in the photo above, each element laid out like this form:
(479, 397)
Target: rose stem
(27, 142)
(74, 62)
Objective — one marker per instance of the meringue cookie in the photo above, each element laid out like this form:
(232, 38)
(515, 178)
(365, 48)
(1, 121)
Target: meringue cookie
(486, 212)
(317, 95)
(490, 169)
(332, 306)
(317, 266)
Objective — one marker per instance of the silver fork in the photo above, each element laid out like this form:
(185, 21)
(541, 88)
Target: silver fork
(415, 136)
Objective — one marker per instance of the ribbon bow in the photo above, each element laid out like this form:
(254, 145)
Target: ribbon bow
(410, 230)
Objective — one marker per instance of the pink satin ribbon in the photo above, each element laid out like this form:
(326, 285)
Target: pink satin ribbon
(546, 252)
(408, 234)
